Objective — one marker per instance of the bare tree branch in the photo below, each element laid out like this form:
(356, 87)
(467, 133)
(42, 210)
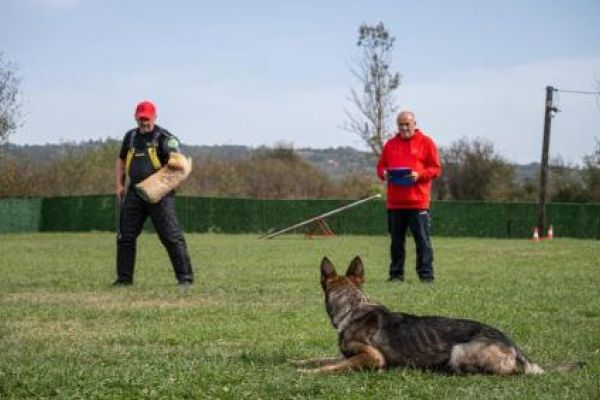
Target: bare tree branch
(374, 102)
(10, 103)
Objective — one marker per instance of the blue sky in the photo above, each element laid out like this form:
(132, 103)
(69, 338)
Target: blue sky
(267, 72)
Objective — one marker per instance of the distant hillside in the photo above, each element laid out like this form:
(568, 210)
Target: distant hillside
(335, 162)
(339, 161)
(43, 154)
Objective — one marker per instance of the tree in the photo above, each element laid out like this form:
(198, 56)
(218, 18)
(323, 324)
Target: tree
(591, 174)
(10, 103)
(79, 170)
(280, 173)
(474, 171)
(565, 183)
(269, 173)
(355, 185)
(374, 102)
(213, 177)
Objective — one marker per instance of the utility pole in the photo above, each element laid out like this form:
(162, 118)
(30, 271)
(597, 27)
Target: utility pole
(550, 109)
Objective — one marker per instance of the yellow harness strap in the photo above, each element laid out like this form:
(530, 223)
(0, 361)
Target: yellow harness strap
(128, 160)
(150, 150)
(154, 157)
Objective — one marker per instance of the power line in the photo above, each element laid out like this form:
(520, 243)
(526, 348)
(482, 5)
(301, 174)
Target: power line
(576, 91)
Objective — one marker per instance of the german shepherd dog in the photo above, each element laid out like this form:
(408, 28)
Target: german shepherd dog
(371, 336)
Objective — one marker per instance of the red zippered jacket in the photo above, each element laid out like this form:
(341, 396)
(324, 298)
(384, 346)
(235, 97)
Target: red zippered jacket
(418, 153)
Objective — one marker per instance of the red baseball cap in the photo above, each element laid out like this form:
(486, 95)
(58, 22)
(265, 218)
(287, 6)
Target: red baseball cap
(145, 109)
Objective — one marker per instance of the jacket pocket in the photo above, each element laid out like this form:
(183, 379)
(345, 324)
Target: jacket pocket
(410, 193)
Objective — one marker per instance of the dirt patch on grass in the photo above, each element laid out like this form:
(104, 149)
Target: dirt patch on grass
(63, 330)
(107, 301)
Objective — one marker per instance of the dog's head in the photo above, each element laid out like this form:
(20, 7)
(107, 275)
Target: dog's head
(355, 274)
(343, 292)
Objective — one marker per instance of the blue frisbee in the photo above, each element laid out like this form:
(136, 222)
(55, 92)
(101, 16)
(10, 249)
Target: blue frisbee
(400, 176)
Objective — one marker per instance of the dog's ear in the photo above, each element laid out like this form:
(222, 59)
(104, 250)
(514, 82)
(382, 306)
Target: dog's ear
(356, 271)
(327, 269)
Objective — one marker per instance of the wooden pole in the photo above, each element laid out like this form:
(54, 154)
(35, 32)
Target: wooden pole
(541, 222)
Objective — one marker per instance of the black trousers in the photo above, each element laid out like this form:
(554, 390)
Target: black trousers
(134, 212)
(418, 223)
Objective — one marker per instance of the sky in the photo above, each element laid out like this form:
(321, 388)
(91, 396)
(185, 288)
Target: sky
(269, 72)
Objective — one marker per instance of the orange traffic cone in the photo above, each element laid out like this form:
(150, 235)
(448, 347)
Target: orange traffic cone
(536, 235)
(550, 233)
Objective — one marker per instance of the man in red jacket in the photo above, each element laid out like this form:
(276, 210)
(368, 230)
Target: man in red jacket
(409, 162)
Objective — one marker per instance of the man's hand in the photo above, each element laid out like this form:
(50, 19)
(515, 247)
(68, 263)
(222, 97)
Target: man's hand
(414, 176)
(119, 192)
(385, 175)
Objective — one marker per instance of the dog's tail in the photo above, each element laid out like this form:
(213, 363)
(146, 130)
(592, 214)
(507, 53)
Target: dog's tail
(530, 367)
(566, 366)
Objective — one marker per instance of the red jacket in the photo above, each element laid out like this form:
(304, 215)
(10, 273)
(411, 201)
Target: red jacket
(418, 153)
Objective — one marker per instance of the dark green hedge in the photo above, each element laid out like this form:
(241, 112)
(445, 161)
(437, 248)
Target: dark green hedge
(229, 215)
(20, 215)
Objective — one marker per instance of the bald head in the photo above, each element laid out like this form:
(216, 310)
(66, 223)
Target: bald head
(406, 124)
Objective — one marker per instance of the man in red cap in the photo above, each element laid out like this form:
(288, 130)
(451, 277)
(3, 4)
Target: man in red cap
(144, 151)
(408, 163)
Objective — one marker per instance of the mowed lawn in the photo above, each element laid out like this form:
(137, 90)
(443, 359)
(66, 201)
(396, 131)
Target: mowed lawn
(65, 333)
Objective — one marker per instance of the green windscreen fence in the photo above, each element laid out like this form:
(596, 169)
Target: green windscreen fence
(581, 221)
(20, 215)
(81, 213)
(231, 215)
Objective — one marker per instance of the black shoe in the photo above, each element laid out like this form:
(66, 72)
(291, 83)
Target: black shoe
(119, 283)
(426, 280)
(396, 279)
(185, 286)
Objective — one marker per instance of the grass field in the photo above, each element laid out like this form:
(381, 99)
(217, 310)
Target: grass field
(64, 333)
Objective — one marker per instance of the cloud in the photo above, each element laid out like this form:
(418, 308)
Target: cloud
(506, 106)
(199, 110)
(58, 4)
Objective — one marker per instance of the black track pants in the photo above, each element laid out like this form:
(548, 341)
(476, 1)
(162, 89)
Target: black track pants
(418, 223)
(134, 212)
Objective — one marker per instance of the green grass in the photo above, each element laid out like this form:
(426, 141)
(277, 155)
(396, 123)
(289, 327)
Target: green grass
(64, 333)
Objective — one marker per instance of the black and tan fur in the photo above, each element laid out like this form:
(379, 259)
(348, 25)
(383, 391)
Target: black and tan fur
(371, 336)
